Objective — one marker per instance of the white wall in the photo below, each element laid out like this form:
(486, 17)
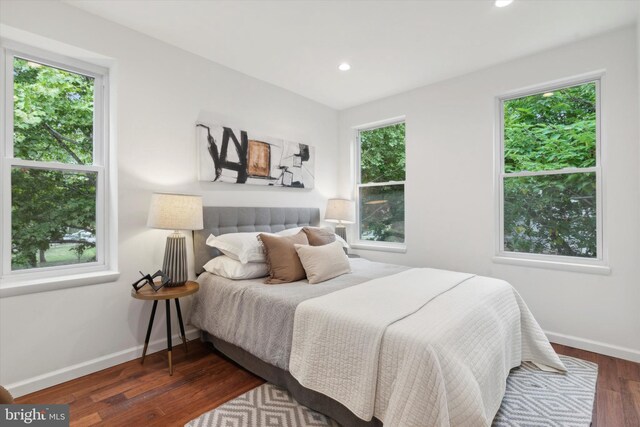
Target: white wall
(450, 208)
(159, 92)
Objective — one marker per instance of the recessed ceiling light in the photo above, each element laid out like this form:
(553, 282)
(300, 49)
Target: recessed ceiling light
(503, 3)
(344, 67)
(547, 94)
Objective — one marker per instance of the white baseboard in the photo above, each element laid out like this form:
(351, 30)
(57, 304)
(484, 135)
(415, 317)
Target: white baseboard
(595, 346)
(75, 371)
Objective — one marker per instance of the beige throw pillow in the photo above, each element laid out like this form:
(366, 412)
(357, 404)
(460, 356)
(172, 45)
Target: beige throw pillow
(282, 258)
(323, 262)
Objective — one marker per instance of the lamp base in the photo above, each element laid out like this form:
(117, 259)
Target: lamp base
(341, 231)
(175, 259)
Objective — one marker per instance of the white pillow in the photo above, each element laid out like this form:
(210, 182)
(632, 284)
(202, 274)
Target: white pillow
(296, 230)
(243, 247)
(323, 262)
(235, 270)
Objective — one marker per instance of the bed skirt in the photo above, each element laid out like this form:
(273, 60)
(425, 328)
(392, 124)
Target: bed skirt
(309, 398)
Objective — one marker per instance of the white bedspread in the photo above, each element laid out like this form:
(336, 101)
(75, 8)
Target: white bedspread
(423, 347)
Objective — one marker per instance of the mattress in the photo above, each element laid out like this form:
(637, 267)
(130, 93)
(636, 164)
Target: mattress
(258, 318)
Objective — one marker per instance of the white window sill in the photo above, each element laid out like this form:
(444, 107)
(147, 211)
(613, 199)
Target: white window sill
(382, 247)
(591, 268)
(12, 288)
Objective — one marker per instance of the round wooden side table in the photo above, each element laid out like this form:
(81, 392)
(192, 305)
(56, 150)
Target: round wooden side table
(166, 294)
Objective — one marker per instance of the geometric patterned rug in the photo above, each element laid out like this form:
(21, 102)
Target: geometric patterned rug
(537, 398)
(264, 406)
(533, 398)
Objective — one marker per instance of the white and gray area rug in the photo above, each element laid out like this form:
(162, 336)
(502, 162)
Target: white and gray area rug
(537, 398)
(532, 398)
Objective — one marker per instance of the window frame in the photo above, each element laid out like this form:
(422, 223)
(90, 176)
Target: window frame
(17, 282)
(371, 244)
(599, 264)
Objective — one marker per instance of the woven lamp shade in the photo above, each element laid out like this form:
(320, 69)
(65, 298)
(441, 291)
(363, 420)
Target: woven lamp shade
(340, 210)
(175, 212)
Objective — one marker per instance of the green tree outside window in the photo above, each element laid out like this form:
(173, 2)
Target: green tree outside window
(552, 132)
(53, 211)
(382, 163)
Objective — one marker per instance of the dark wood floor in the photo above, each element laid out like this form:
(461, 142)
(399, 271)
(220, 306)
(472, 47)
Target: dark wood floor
(617, 391)
(131, 394)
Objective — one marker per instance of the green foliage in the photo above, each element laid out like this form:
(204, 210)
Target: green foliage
(382, 213)
(53, 122)
(382, 159)
(551, 214)
(382, 154)
(551, 132)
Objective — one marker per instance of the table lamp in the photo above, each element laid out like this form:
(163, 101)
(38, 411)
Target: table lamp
(341, 211)
(175, 212)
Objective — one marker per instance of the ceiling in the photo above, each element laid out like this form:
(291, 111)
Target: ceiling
(392, 46)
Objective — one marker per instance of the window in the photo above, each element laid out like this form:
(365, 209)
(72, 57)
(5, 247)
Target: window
(380, 184)
(54, 167)
(550, 174)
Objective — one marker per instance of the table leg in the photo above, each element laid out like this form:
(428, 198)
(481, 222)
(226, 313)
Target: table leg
(168, 307)
(146, 339)
(184, 338)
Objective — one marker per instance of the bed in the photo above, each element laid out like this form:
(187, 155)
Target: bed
(373, 360)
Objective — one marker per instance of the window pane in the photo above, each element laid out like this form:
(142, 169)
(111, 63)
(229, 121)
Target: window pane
(551, 214)
(551, 131)
(382, 213)
(382, 154)
(53, 217)
(53, 114)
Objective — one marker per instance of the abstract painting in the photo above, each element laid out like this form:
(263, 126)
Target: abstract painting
(241, 157)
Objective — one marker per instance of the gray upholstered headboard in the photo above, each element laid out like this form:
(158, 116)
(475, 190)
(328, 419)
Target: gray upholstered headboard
(222, 220)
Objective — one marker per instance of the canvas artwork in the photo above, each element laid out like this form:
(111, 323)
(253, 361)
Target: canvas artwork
(241, 157)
